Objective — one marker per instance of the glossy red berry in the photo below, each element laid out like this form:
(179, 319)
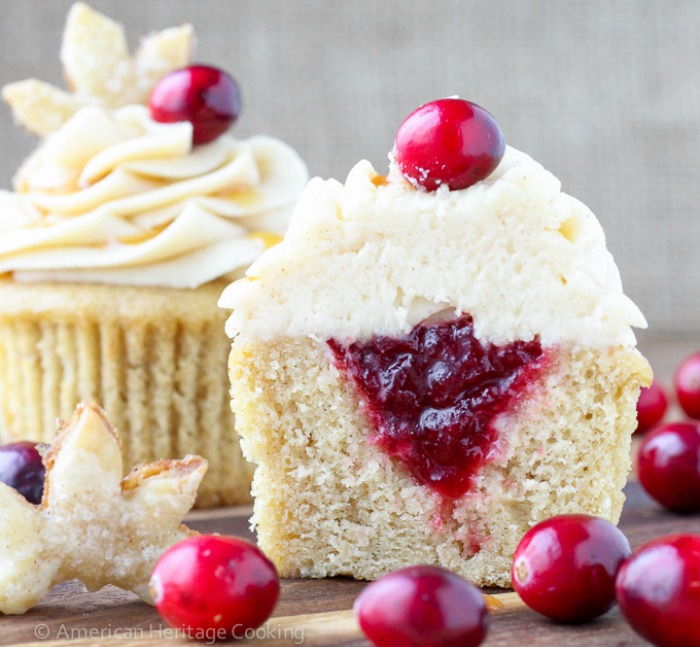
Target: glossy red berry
(449, 142)
(651, 406)
(21, 467)
(658, 590)
(422, 606)
(687, 383)
(215, 586)
(669, 465)
(565, 567)
(207, 97)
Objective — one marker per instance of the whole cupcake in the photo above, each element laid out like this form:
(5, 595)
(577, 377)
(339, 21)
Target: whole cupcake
(122, 231)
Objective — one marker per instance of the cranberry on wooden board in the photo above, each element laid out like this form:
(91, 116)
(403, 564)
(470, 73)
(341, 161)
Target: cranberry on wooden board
(565, 567)
(668, 464)
(658, 590)
(449, 142)
(422, 606)
(21, 468)
(214, 586)
(205, 96)
(651, 406)
(687, 383)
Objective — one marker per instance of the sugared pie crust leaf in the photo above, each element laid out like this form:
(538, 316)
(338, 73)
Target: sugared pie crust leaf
(99, 70)
(92, 524)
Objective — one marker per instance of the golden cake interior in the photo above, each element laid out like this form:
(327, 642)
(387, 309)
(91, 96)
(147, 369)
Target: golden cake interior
(329, 502)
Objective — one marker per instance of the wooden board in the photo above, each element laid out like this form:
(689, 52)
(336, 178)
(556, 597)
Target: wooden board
(314, 612)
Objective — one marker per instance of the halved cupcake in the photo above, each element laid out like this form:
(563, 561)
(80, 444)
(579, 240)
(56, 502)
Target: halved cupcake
(433, 361)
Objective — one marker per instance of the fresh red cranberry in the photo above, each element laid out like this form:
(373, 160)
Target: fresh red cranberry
(21, 468)
(207, 97)
(422, 606)
(687, 382)
(669, 465)
(215, 586)
(658, 590)
(432, 396)
(565, 567)
(450, 141)
(651, 406)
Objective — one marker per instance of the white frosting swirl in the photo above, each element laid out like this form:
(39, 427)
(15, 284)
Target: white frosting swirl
(375, 256)
(115, 197)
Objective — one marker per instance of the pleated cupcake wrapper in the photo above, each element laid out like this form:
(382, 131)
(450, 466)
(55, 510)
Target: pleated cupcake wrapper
(164, 387)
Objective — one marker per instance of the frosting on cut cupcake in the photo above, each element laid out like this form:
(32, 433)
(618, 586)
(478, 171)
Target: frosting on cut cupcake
(376, 256)
(115, 197)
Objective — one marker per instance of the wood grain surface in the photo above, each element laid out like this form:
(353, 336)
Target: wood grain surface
(315, 612)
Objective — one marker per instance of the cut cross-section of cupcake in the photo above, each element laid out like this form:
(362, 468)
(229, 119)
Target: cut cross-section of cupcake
(432, 397)
(422, 373)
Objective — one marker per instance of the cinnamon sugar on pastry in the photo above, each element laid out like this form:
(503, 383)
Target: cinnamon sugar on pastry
(92, 524)
(99, 70)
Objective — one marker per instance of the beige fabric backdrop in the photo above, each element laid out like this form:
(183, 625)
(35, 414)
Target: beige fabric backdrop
(605, 93)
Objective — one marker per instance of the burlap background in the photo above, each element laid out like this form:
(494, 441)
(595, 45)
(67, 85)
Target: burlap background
(604, 93)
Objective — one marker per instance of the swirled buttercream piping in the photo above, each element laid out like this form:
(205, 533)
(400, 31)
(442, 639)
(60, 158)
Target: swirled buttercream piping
(114, 197)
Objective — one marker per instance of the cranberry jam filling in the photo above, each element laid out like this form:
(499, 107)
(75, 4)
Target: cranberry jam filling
(433, 394)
